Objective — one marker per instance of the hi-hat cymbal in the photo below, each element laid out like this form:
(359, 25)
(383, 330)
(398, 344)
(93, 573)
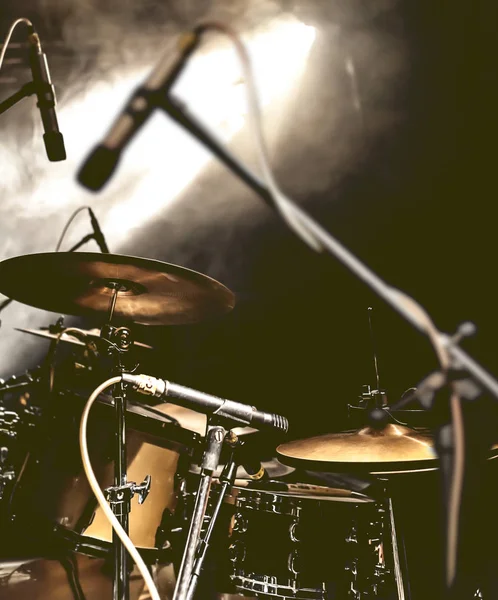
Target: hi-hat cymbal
(393, 449)
(45, 333)
(150, 292)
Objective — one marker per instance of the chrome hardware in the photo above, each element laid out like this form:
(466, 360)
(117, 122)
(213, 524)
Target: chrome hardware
(119, 496)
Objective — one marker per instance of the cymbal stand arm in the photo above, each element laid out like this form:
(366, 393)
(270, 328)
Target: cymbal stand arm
(214, 442)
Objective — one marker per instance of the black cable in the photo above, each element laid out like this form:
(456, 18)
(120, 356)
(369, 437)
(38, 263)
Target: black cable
(70, 565)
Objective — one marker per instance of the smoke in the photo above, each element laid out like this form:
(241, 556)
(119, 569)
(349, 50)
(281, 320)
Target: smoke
(169, 198)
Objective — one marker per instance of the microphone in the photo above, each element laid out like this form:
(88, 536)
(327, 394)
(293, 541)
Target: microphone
(97, 233)
(103, 160)
(44, 90)
(243, 414)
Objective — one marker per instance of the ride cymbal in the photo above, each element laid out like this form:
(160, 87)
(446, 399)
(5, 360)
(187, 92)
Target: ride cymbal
(149, 292)
(392, 449)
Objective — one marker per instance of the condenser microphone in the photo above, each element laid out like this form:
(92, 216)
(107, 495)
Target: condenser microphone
(242, 414)
(46, 100)
(103, 160)
(97, 233)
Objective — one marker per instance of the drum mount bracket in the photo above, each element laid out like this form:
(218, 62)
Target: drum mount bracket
(120, 496)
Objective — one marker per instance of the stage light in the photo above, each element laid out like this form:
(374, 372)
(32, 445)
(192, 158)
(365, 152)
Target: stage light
(166, 159)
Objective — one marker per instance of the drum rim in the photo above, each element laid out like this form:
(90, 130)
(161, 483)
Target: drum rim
(166, 430)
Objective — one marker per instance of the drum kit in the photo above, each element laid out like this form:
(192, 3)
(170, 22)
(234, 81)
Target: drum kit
(266, 513)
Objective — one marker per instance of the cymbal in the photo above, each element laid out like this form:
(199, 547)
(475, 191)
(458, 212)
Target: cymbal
(150, 292)
(393, 449)
(44, 332)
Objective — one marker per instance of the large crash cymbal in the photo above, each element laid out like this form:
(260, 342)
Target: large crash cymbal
(393, 449)
(150, 292)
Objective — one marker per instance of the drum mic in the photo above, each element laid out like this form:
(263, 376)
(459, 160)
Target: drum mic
(44, 90)
(102, 162)
(242, 414)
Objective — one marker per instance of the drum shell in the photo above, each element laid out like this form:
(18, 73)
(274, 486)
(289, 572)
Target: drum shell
(288, 545)
(52, 487)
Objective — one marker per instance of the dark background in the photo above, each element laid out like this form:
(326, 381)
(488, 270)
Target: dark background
(407, 183)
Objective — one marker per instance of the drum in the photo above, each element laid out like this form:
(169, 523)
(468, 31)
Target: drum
(18, 418)
(297, 543)
(296, 540)
(52, 493)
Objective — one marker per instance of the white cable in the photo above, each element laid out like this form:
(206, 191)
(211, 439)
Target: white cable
(311, 232)
(283, 204)
(94, 484)
(9, 35)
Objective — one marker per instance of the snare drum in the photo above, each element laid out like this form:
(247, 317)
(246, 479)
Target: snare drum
(295, 540)
(52, 489)
(292, 543)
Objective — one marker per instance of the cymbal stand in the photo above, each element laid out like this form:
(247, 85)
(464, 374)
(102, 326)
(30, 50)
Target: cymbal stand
(213, 444)
(121, 493)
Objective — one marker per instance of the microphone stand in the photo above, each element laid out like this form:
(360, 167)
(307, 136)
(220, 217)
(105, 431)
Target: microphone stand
(27, 90)
(82, 242)
(214, 442)
(227, 479)
(403, 304)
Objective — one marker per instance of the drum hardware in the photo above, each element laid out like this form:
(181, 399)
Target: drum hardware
(7, 473)
(17, 382)
(8, 422)
(371, 398)
(120, 495)
(226, 480)
(377, 397)
(214, 440)
(87, 336)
